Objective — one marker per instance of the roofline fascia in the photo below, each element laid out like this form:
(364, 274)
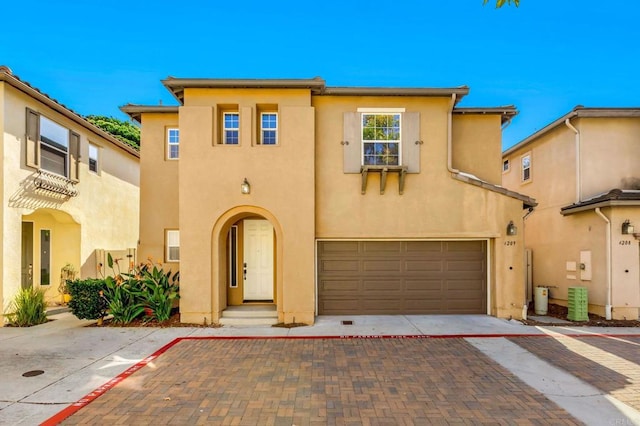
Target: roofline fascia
(396, 91)
(58, 107)
(506, 112)
(527, 201)
(578, 111)
(135, 111)
(567, 211)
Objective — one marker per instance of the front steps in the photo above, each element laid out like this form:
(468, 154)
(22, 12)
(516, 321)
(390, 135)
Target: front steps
(249, 315)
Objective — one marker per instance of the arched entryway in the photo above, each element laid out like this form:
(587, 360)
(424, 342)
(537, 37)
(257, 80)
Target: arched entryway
(246, 259)
(50, 240)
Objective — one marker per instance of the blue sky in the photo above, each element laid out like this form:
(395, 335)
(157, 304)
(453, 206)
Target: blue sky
(545, 57)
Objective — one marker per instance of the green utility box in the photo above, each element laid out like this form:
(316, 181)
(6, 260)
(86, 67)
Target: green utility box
(578, 304)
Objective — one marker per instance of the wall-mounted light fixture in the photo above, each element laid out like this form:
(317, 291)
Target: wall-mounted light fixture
(512, 229)
(627, 227)
(245, 187)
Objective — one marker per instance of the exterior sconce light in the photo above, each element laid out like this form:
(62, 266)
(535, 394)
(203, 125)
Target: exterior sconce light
(627, 227)
(512, 229)
(245, 187)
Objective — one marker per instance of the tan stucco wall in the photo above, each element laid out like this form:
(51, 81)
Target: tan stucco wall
(433, 206)
(3, 136)
(613, 139)
(300, 187)
(474, 148)
(607, 151)
(282, 191)
(158, 187)
(105, 211)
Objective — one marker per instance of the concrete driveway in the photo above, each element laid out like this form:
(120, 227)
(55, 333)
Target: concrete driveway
(459, 369)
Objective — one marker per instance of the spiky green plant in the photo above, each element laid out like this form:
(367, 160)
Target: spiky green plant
(28, 308)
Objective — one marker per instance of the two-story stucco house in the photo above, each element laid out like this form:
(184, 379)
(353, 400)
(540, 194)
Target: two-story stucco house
(315, 200)
(583, 171)
(69, 190)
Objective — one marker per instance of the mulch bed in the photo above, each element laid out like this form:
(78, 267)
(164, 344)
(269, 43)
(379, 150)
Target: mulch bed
(561, 312)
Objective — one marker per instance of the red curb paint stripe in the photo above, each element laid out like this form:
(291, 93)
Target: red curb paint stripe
(76, 406)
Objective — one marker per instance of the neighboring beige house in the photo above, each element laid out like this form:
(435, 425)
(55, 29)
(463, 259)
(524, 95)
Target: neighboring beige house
(69, 191)
(583, 171)
(311, 200)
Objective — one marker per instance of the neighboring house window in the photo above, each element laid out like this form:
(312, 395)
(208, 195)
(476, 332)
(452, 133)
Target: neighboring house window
(269, 128)
(381, 139)
(173, 144)
(93, 158)
(526, 168)
(231, 132)
(51, 146)
(505, 166)
(173, 246)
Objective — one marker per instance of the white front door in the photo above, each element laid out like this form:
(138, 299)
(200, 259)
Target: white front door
(258, 260)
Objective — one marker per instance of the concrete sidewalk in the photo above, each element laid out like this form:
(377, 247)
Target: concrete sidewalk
(76, 359)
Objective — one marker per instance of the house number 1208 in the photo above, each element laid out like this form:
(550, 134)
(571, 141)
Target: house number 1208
(625, 243)
(509, 243)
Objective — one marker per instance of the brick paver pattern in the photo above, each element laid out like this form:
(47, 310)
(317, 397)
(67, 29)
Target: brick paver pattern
(354, 381)
(608, 363)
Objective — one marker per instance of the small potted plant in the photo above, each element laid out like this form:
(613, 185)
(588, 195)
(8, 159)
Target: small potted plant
(68, 273)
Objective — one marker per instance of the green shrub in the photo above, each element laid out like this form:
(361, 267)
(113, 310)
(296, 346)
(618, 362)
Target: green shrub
(28, 308)
(159, 290)
(87, 301)
(123, 298)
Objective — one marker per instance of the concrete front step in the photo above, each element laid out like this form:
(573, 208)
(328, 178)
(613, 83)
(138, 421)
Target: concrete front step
(247, 315)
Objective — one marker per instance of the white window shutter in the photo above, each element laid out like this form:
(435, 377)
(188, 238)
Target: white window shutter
(32, 146)
(411, 142)
(352, 143)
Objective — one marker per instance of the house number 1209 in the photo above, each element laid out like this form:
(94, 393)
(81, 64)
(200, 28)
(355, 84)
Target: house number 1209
(509, 243)
(625, 243)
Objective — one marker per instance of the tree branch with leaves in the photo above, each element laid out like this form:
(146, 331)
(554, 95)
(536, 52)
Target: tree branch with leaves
(500, 3)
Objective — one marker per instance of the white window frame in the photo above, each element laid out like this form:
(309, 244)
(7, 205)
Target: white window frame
(173, 140)
(526, 171)
(225, 129)
(172, 241)
(95, 157)
(363, 142)
(269, 129)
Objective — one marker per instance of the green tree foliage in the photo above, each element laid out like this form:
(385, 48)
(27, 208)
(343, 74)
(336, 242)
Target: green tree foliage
(500, 3)
(121, 130)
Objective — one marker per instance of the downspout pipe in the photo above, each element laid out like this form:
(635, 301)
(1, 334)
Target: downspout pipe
(567, 122)
(450, 135)
(608, 267)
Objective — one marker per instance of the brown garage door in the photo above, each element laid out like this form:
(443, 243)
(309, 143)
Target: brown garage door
(402, 277)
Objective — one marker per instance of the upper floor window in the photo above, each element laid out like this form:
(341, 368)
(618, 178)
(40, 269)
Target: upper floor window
(173, 143)
(269, 128)
(93, 158)
(231, 131)
(526, 168)
(172, 253)
(51, 146)
(505, 166)
(381, 139)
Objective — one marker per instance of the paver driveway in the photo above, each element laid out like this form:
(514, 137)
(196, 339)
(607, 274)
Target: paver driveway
(307, 381)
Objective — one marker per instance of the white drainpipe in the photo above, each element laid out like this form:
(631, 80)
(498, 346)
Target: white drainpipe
(450, 135)
(578, 177)
(608, 238)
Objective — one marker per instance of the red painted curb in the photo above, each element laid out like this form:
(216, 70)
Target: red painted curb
(75, 407)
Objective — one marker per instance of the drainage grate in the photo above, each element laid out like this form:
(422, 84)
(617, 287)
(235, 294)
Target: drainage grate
(347, 322)
(32, 373)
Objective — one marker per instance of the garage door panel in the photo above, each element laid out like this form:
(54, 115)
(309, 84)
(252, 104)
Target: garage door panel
(401, 277)
(340, 266)
(423, 265)
(382, 265)
(339, 285)
(338, 247)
